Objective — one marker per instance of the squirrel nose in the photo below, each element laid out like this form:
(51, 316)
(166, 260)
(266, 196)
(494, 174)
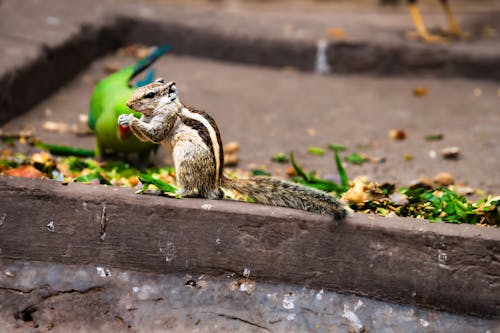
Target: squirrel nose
(129, 104)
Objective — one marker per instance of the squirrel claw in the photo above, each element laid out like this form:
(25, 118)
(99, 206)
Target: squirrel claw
(124, 120)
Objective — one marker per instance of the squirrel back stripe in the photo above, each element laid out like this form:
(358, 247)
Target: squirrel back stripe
(213, 125)
(209, 133)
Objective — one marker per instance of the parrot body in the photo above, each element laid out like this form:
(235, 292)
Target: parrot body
(108, 103)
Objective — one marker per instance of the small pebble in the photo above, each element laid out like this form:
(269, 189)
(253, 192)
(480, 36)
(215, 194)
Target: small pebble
(398, 199)
(443, 179)
(423, 182)
(111, 67)
(231, 160)
(290, 171)
(450, 153)
(231, 147)
(397, 134)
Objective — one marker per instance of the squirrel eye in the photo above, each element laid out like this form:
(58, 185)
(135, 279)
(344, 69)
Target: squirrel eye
(160, 80)
(150, 94)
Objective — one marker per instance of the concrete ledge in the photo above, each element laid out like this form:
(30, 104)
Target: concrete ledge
(54, 66)
(346, 57)
(450, 267)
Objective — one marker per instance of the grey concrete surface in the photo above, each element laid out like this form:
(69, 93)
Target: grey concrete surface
(397, 259)
(40, 297)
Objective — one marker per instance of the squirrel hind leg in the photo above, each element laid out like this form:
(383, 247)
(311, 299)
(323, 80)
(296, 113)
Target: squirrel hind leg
(215, 194)
(188, 193)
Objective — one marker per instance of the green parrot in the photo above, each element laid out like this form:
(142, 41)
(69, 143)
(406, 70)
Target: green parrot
(108, 102)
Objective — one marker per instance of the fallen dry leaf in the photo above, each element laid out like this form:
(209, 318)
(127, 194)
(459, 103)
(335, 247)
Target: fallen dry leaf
(41, 158)
(336, 33)
(25, 171)
(420, 91)
(52, 126)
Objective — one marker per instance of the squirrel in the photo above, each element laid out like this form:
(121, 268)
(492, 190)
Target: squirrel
(195, 144)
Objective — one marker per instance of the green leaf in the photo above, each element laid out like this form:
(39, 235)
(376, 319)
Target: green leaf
(316, 151)
(64, 150)
(297, 168)
(344, 181)
(434, 137)
(260, 172)
(319, 184)
(336, 147)
(90, 177)
(160, 184)
(280, 158)
(355, 158)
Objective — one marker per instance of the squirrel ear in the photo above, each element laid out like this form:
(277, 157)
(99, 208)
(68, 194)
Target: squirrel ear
(160, 80)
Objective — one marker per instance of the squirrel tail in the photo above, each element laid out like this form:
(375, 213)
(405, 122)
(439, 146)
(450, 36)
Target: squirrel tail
(276, 192)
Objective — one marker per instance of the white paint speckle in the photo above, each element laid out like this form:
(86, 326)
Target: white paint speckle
(319, 295)
(432, 154)
(9, 274)
(272, 296)
(424, 322)
(288, 301)
(146, 292)
(51, 227)
(2, 218)
(291, 316)
(442, 259)
(358, 305)
(218, 241)
(351, 316)
(169, 251)
(206, 206)
(103, 272)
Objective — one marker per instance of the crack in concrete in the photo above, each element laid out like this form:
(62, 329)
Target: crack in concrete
(26, 314)
(230, 317)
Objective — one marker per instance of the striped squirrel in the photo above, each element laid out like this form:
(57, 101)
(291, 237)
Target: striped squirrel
(194, 141)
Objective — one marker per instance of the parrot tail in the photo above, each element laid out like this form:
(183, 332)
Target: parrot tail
(151, 58)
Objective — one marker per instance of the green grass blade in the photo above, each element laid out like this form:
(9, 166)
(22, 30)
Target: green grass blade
(162, 186)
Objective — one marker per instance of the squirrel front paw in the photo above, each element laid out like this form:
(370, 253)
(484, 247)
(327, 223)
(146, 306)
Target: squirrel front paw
(124, 120)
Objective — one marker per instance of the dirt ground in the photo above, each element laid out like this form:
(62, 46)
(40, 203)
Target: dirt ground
(279, 110)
